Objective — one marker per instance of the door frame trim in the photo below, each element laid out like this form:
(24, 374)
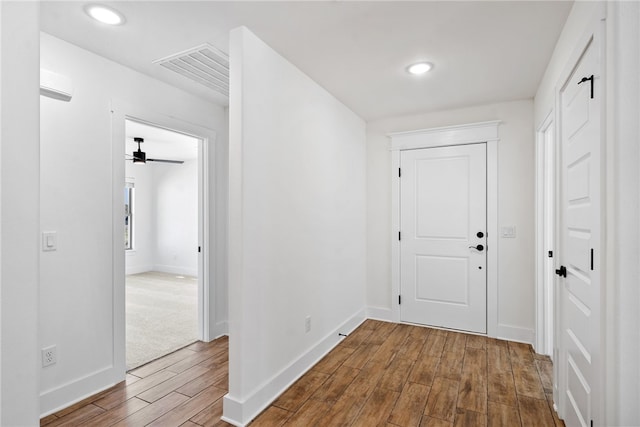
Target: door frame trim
(482, 132)
(545, 218)
(121, 111)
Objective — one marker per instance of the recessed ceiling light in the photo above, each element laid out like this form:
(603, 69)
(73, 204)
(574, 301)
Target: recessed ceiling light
(104, 14)
(419, 68)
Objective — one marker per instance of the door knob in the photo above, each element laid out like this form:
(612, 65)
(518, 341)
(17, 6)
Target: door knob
(479, 247)
(562, 271)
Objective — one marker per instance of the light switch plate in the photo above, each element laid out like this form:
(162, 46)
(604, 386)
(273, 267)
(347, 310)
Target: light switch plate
(508, 232)
(49, 241)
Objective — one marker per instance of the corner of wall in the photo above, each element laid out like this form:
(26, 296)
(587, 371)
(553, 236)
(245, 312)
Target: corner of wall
(20, 131)
(516, 333)
(241, 413)
(380, 313)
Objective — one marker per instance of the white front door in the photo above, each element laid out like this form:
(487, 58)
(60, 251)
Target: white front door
(443, 197)
(580, 116)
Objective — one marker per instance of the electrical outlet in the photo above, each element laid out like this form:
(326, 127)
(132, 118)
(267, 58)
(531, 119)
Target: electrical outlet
(49, 356)
(307, 324)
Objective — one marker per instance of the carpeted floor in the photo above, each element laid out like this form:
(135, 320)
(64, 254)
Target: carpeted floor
(162, 315)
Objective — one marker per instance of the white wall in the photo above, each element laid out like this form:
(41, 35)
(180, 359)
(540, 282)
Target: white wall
(515, 207)
(142, 257)
(176, 217)
(296, 224)
(76, 282)
(165, 218)
(20, 242)
(622, 191)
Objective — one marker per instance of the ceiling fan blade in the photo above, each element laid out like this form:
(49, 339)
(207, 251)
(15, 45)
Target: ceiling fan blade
(178, 162)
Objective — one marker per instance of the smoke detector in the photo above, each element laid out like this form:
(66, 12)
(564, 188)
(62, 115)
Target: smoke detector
(203, 64)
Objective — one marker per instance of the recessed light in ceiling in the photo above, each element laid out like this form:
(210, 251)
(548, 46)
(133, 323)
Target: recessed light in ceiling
(419, 68)
(104, 14)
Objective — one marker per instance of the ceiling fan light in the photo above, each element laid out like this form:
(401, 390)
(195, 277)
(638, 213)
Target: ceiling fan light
(139, 157)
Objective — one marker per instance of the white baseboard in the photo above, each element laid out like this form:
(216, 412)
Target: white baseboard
(137, 269)
(220, 329)
(516, 333)
(380, 313)
(61, 397)
(240, 413)
(174, 269)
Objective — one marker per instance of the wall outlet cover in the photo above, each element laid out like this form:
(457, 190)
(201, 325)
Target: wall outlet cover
(49, 356)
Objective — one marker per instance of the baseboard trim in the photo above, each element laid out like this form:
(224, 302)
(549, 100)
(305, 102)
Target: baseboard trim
(173, 269)
(380, 313)
(516, 333)
(220, 329)
(137, 269)
(58, 398)
(240, 413)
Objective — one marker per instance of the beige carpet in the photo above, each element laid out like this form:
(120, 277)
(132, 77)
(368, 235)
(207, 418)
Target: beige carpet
(162, 315)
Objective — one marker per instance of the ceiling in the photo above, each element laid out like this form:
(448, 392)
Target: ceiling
(482, 51)
(160, 143)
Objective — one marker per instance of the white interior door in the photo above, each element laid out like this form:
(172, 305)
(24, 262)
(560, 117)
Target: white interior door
(443, 197)
(580, 116)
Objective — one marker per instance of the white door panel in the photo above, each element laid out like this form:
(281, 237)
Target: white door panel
(579, 237)
(442, 208)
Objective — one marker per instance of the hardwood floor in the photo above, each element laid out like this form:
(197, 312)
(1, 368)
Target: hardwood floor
(182, 388)
(383, 374)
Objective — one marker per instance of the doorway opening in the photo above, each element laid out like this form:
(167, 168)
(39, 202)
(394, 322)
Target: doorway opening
(162, 234)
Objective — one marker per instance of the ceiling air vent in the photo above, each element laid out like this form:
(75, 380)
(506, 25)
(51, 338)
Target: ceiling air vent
(204, 64)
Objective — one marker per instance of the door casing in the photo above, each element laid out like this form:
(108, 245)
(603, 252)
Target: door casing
(121, 111)
(486, 132)
(545, 232)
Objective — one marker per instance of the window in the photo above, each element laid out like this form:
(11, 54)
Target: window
(128, 216)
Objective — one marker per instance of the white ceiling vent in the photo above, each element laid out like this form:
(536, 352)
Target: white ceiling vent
(204, 64)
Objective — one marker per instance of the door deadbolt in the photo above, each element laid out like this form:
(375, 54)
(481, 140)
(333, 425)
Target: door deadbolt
(480, 234)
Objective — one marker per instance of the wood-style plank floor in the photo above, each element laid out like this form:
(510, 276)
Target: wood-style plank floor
(184, 388)
(383, 374)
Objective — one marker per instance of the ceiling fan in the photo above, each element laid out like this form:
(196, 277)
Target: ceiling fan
(140, 156)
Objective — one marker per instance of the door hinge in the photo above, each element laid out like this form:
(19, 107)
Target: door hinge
(586, 79)
(550, 254)
(591, 259)
(399, 172)
(399, 235)
(399, 299)
(199, 249)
